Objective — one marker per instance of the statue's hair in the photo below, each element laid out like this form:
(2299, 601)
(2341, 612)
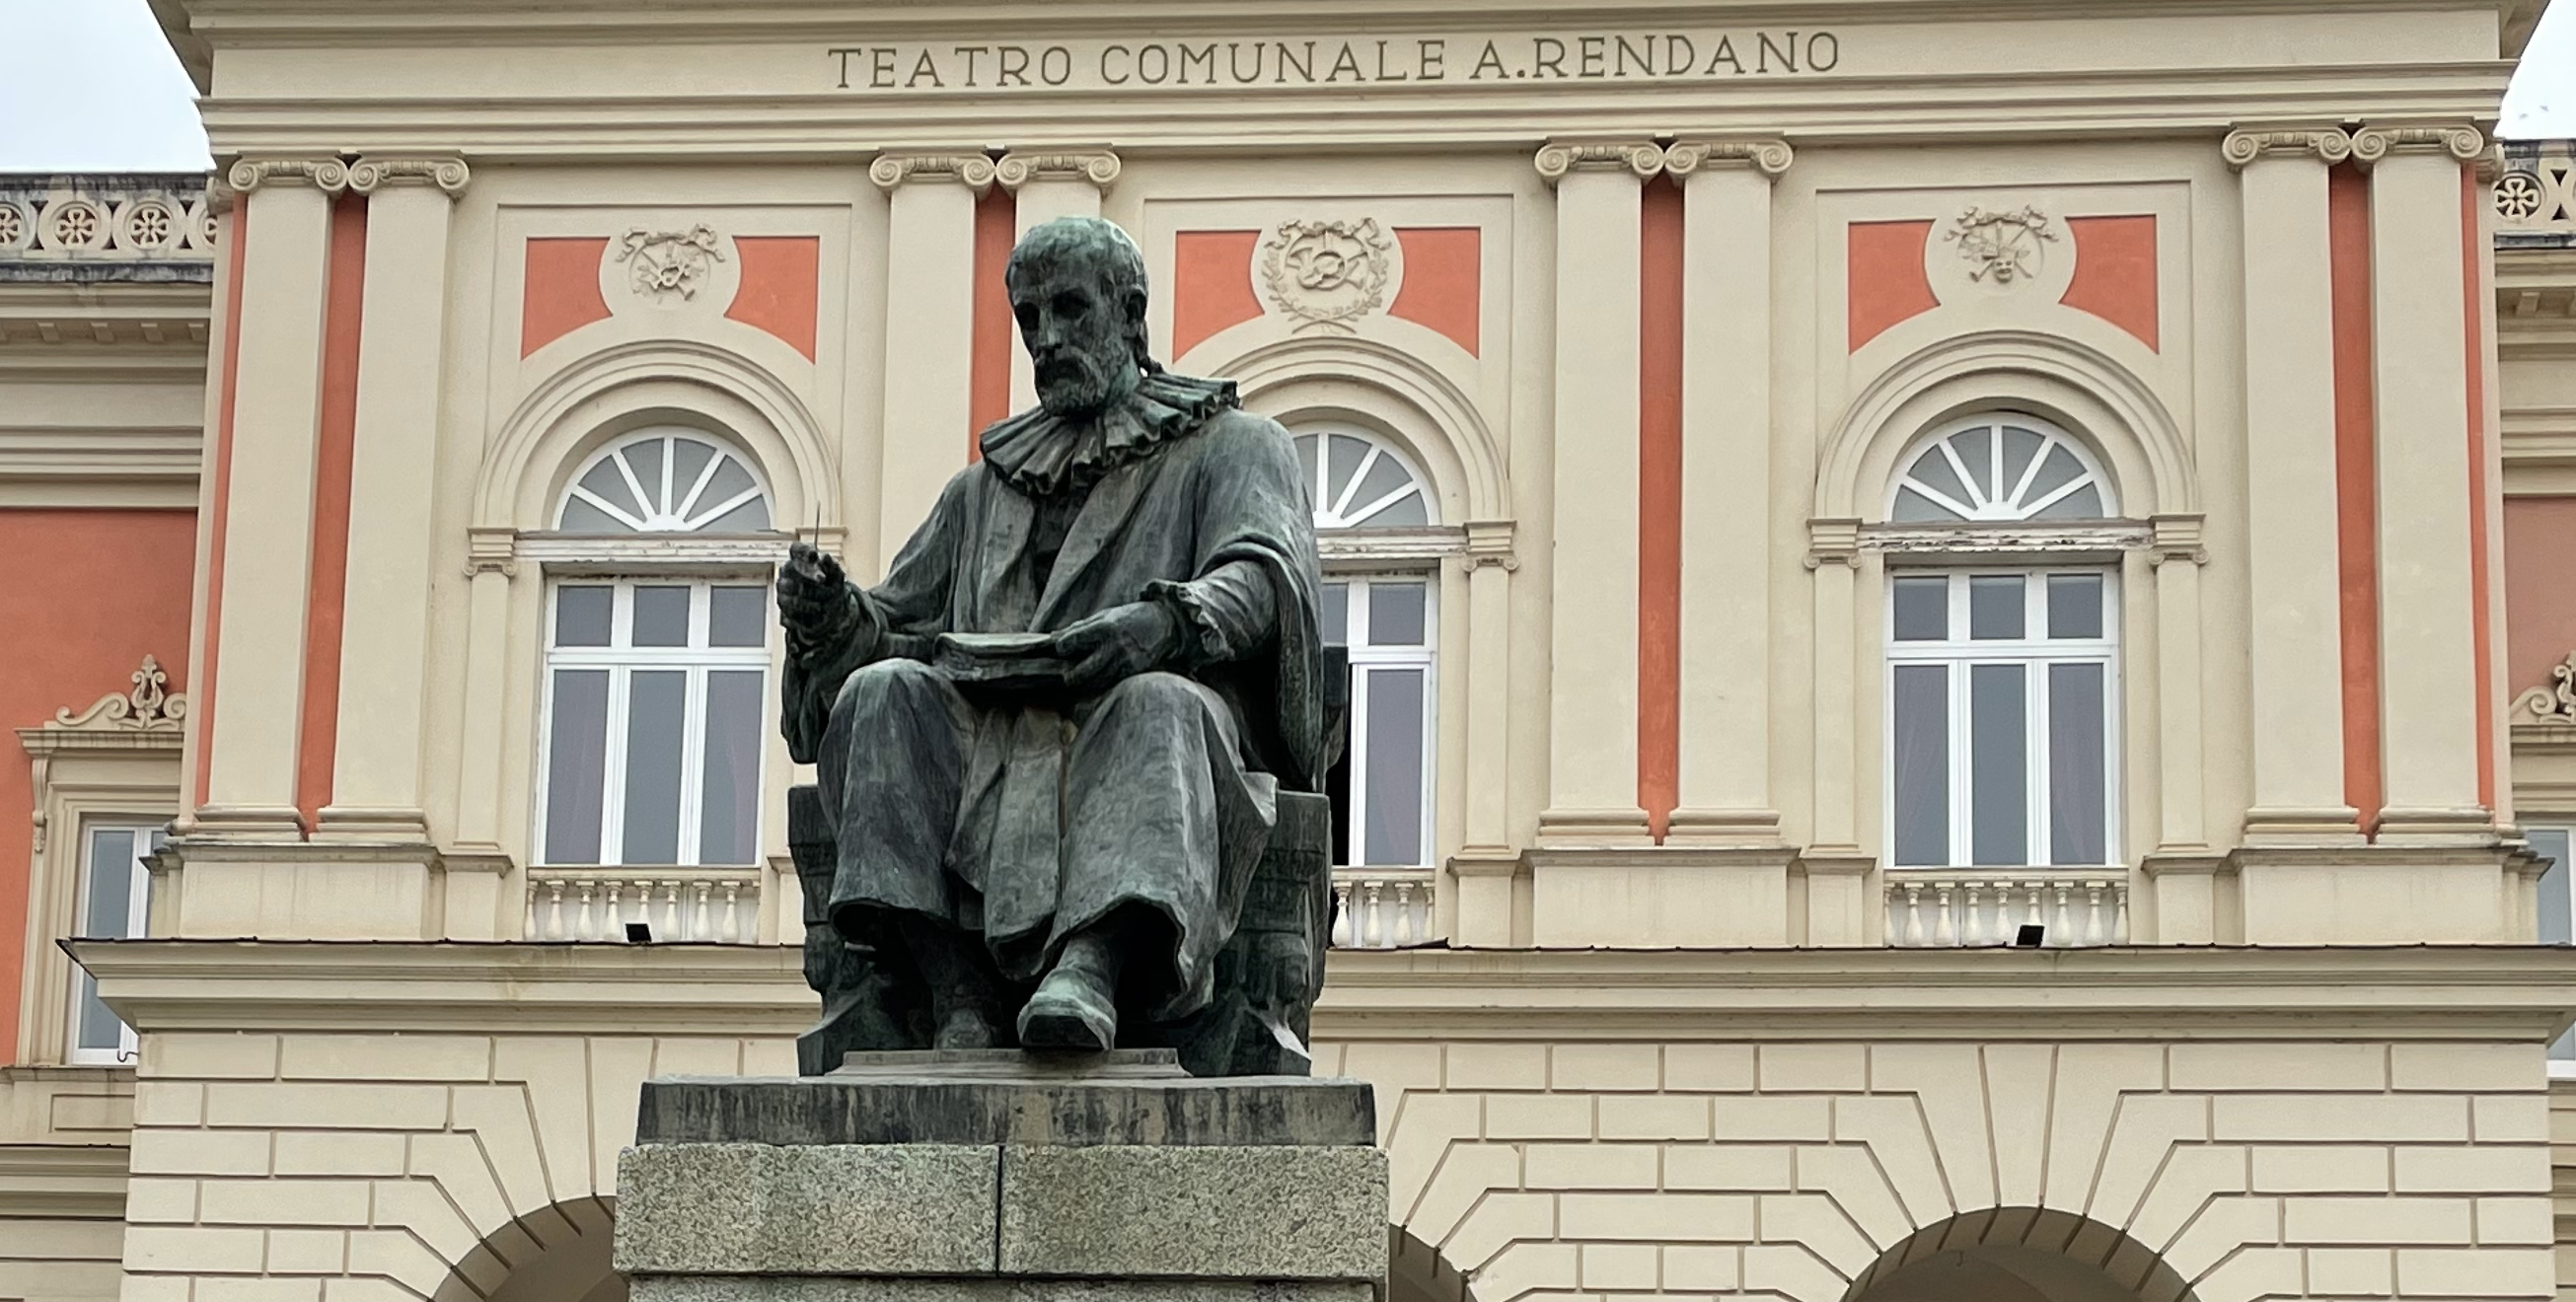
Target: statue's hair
(1099, 245)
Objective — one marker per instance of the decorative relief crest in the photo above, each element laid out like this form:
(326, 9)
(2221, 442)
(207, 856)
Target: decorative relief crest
(2555, 703)
(1327, 273)
(2006, 246)
(663, 263)
(148, 708)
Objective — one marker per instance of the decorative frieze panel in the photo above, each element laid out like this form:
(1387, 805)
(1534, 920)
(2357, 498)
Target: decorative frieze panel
(2536, 194)
(661, 265)
(2001, 247)
(137, 227)
(1327, 273)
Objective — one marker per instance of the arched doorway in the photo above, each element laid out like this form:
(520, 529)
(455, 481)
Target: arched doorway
(1416, 1272)
(2019, 1254)
(555, 1254)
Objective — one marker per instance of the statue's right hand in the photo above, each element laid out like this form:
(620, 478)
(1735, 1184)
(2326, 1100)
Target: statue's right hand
(812, 591)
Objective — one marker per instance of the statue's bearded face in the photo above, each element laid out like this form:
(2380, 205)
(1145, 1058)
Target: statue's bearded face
(1078, 328)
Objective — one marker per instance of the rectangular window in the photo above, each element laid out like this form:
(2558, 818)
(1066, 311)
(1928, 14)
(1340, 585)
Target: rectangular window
(1382, 789)
(2001, 693)
(656, 695)
(115, 899)
(2557, 923)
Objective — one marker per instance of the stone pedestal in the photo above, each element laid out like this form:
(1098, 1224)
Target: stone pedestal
(985, 1177)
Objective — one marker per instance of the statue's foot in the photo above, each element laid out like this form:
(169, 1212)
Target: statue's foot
(966, 1028)
(1073, 1011)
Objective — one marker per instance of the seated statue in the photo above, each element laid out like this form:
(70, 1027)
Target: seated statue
(1053, 745)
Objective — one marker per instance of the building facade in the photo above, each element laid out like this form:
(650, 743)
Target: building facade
(1961, 688)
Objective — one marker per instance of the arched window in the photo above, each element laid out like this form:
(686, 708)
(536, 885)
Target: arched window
(667, 479)
(2002, 678)
(2001, 470)
(656, 698)
(1360, 482)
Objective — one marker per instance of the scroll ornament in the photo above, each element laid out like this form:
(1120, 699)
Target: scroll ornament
(149, 707)
(2554, 703)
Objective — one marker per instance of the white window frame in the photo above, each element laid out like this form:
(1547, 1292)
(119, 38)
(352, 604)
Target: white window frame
(2034, 653)
(2564, 837)
(1364, 656)
(621, 659)
(138, 912)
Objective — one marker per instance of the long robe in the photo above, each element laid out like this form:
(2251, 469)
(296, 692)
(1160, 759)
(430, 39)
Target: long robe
(1158, 791)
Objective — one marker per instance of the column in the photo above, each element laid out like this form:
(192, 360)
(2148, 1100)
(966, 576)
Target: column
(2427, 607)
(2177, 557)
(1726, 505)
(930, 334)
(267, 530)
(489, 569)
(1486, 862)
(2290, 470)
(1047, 185)
(1592, 720)
(376, 773)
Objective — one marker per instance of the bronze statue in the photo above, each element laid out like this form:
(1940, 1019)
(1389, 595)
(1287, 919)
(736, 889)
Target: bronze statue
(1080, 723)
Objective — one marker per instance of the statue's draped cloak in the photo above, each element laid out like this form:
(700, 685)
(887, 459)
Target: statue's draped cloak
(1190, 502)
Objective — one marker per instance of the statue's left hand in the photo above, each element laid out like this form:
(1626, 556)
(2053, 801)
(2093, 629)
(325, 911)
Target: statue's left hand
(1120, 642)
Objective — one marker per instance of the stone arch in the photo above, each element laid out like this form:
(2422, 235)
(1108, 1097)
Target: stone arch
(2019, 1254)
(1390, 393)
(629, 386)
(2082, 390)
(559, 1253)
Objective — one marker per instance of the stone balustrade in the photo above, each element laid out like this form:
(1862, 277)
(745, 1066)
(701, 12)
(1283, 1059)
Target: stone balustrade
(2536, 194)
(1381, 908)
(720, 905)
(1942, 908)
(135, 226)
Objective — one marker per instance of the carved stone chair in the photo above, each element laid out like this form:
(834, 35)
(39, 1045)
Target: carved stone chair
(1267, 976)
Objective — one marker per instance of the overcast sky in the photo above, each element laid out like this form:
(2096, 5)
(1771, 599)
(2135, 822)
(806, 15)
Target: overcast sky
(88, 86)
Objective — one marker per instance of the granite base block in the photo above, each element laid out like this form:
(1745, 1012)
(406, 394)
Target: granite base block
(786, 1288)
(841, 1209)
(1275, 1213)
(936, 1107)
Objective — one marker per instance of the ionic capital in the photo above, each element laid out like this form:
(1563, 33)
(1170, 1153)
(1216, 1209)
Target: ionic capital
(1558, 157)
(1489, 542)
(2378, 140)
(1833, 541)
(1764, 157)
(447, 175)
(974, 171)
(2246, 144)
(1097, 166)
(491, 550)
(2177, 538)
(327, 174)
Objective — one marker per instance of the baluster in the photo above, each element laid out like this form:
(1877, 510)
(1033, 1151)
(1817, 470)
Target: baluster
(2119, 913)
(1944, 921)
(2062, 931)
(582, 925)
(730, 929)
(2093, 914)
(554, 908)
(2034, 906)
(1913, 915)
(702, 918)
(1405, 932)
(1375, 936)
(1344, 926)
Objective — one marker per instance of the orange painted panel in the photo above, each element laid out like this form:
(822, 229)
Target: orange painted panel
(2115, 272)
(2539, 605)
(324, 602)
(988, 398)
(2476, 302)
(2356, 488)
(561, 289)
(781, 274)
(1443, 278)
(1211, 284)
(1659, 501)
(202, 710)
(90, 593)
(1883, 270)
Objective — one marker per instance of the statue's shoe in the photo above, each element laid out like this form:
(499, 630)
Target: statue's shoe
(1070, 1013)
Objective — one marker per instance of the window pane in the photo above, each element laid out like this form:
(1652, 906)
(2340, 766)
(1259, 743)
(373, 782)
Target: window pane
(1407, 512)
(1995, 605)
(111, 883)
(1395, 613)
(579, 516)
(609, 484)
(1913, 508)
(2077, 757)
(2020, 445)
(689, 459)
(2551, 843)
(731, 805)
(645, 458)
(1922, 609)
(2083, 504)
(1932, 470)
(576, 765)
(2060, 468)
(728, 482)
(661, 615)
(750, 517)
(1337, 614)
(1395, 765)
(2075, 605)
(1976, 452)
(582, 614)
(739, 616)
(1998, 766)
(1922, 759)
(656, 700)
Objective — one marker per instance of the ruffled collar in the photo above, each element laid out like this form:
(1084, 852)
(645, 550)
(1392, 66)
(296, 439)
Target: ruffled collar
(1042, 454)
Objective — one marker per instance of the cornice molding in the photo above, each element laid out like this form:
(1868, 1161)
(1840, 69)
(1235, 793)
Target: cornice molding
(1768, 157)
(1558, 157)
(2458, 139)
(2245, 145)
(370, 174)
(1097, 166)
(973, 170)
(326, 174)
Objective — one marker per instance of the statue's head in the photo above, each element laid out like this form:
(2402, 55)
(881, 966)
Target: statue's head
(1078, 291)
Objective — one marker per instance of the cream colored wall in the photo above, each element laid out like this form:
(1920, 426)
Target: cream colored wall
(62, 1181)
